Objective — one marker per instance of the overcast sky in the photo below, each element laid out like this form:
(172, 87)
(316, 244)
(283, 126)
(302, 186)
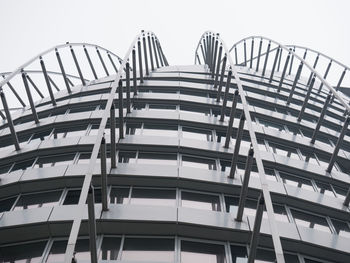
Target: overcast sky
(31, 26)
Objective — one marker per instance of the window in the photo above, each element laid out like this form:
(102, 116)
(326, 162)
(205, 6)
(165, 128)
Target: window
(110, 248)
(127, 157)
(283, 150)
(29, 252)
(324, 188)
(148, 249)
(194, 110)
(27, 201)
(310, 220)
(157, 158)
(265, 256)
(58, 249)
(232, 205)
(202, 252)
(197, 134)
(133, 128)
(54, 160)
(119, 195)
(41, 136)
(195, 162)
(160, 130)
(69, 132)
(239, 254)
(271, 125)
(296, 181)
(341, 228)
(162, 107)
(6, 204)
(200, 201)
(72, 197)
(153, 197)
(22, 165)
(280, 213)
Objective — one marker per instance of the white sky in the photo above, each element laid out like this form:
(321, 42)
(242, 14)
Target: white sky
(29, 27)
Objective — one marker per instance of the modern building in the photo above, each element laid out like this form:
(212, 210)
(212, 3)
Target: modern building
(241, 157)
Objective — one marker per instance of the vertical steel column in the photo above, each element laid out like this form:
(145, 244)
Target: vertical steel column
(150, 51)
(155, 52)
(43, 68)
(62, 71)
(134, 77)
(237, 146)
(279, 60)
(30, 98)
(165, 60)
(77, 65)
(218, 68)
(283, 72)
(92, 225)
(251, 53)
(291, 63)
(236, 57)
(212, 51)
(103, 156)
(35, 87)
(256, 229)
(297, 76)
(112, 62)
(245, 53)
(259, 54)
(159, 53)
(14, 92)
(305, 53)
(223, 68)
(232, 117)
(337, 146)
(127, 73)
(244, 188)
(314, 66)
(90, 62)
(347, 199)
(320, 119)
(202, 50)
(266, 58)
(9, 120)
(140, 60)
(102, 62)
(53, 83)
(113, 140)
(145, 52)
(215, 57)
(325, 75)
(306, 99)
(274, 64)
(121, 117)
(339, 83)
(205, 50)
(224, 102)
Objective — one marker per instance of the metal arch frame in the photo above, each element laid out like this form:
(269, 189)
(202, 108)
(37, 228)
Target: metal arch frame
(18, 70)
(293, 53)
(96, 148)
(264, 184)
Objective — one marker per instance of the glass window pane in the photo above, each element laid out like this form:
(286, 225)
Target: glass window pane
(296, 181)
(23, 165)
(110, 248)
(127, 157)
(119, 195)
(161, 107)
(200, 201)
(341, 227)
(324, 188)
(133, 128)
(193, 110)
(54, 160)
(239, 254)
(82, 251)
(280, 213)
(72, 197)
(202, 252)
(197, 134)
(57, 251)
(153, 197)
(160, 130)
(30, 252)
(157, 158)
(6, 204)
(28, 201)
(310, 220)
(265, 256)
(195, 162)
(148, 249)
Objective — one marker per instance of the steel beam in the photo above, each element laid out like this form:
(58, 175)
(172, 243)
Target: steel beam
(337, 146)
(274, 64)
(63, 71)
(53, 101)
(9, 120)
(30, 98)
(103, 156)
(159, 53)
(77, 66)
(134, 77)
(155, 52)
(297, 76)
(113, 137)
(347, 199)
(251, 53)
(266, 58)
(325, 75)
(218, 68)
(244, 188)
(320, 119)
(92, 225)
(145, 53)
(232, 117)
(259, 55)
(112, 62)
(306, 99)
(224, 102)
(237, 146)
(150, 51)
(102, 62)
(35, 87)
(223, 69)
(140, 60)
(15, 93)
(127, 73)
(283, 72)
(120, 117)
(90, 62)
(245, 53)
(214, 58)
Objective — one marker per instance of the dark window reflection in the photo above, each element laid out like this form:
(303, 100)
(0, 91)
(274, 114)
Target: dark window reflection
(202, 252)
(28, 201)
(58, 249)
(200, 201)
(110, 248)
(239, 254)
(30, 252)
(6, 204)
(148, 249)
(72, 197)
(127, 157)
(119, 195)
(265, 256)
(310, 220)
(153, 197)
(195, 162)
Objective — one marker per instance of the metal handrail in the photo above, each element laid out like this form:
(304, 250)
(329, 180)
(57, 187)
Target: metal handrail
(315, 72)
(18, 70)
(39, 71)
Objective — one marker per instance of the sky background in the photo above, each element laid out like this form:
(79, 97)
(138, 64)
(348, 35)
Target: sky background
(31, 26)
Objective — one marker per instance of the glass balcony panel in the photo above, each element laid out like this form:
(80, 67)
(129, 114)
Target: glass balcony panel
(310, 220)
(157, 158)
(202, 252)
(341, 228)
(27, 201)
(195, 162)
(6, 204)
(157, 197)
(200, 201)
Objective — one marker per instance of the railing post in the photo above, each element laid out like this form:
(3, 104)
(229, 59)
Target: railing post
(339, 83)
(232, 117)
(103, 155)
(155, 52)
(244, 188)
(77, 66)
(113, 139)
(92, 225)
(347, 198)
(47, 82)
(291, 63)
(283, 72)
(127, 73)
(279, 60)
(320, 119)
(203, 54)
(223, 68)
(159, 53)
(112, 62)
(218, 68)
(259, 54)
(140, 60)
(237, 146)
(245, 53)
(30, 98)
(227, 88)
(325, 75)
(9, 120)
(314, 66)
(306, 99)
(102, 62)
(121, 117)
(62, 71)
(251, 53)
(90, 63)
(337, 146)
(274, 64)
(145, 52)
(256, 229)
(297, 76)
(266, 58)
(35, 87)
(215, 56)
(150, 51)
(134, 77)
(236, 57)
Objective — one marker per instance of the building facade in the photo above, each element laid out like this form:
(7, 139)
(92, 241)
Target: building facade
(241, 157)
